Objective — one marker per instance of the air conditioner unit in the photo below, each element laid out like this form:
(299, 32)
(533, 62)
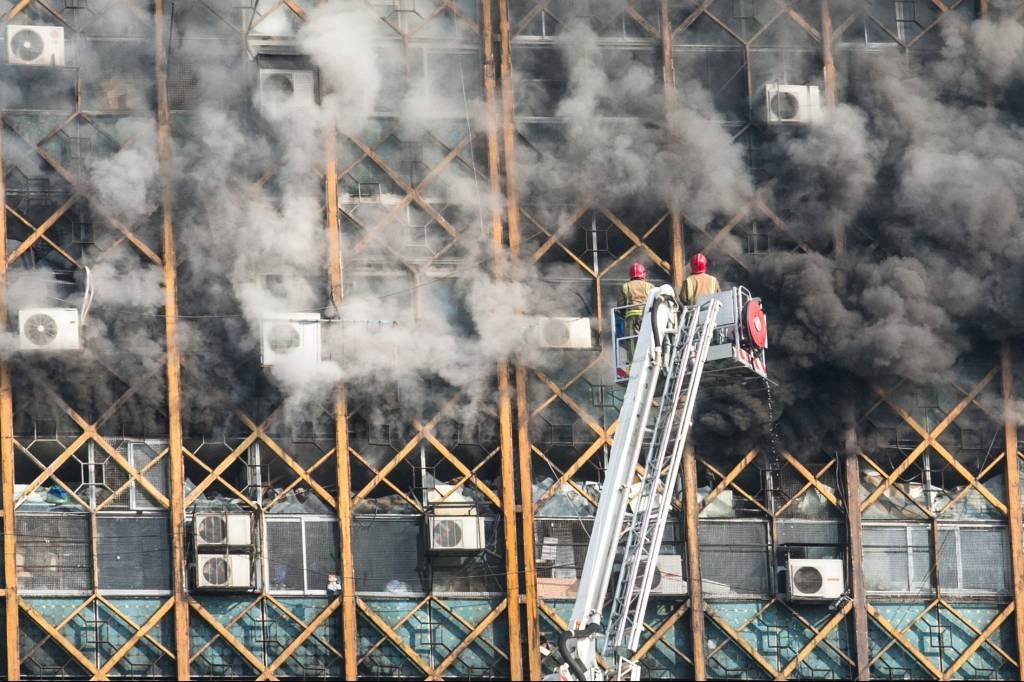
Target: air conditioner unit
(453, 534)
(35, 45)
(815, 579)
(222, 530)
(49, 329)
(668, 576)
(291, 338)
(793, 103)
(288, 87)
(564, 332)
(223, 571)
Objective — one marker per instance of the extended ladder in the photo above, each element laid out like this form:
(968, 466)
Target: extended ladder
(644, 529)
(670, 352)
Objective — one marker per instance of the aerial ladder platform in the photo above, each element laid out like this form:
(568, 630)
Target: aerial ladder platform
(723, 336)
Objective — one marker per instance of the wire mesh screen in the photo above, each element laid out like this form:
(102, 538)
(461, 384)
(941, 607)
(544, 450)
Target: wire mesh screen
(389, 554)
(285, 568)
(735, 554)
(922, 572)
(141, 456)
(321, 553)
(886, 561)
(948, 562)
(985, 553)
(113, 478)
(53, 552)
(133, 552)
(812, 539)
(561, 546)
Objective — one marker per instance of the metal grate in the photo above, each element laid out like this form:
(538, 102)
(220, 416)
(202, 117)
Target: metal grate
(561, 546)
(284, 554)
(735, 554)
(388, 552)
(985, 553)
(321, 553)
(133, 552)
(53, 552)
(886, 561)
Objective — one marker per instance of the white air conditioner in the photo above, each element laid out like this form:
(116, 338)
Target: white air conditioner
(222, 530)
(815, 579)
(35, 45)
(219, 571)
(48, 329)
(668, 576)
(457, 533)
(793, 103)
(564, 332)
(291, 338)
(287, 87)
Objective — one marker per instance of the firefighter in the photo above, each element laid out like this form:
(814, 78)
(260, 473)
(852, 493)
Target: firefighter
(699, 283)
(634, 293)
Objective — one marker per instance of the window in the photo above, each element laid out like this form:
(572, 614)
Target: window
(133, 553)
(906, 19)
(302, 554)
(387, 554)
(901, 558)
(734, 556)
(53, 553)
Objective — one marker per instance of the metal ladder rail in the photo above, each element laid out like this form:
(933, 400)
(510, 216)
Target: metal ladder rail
(648, 524)
(663, 423)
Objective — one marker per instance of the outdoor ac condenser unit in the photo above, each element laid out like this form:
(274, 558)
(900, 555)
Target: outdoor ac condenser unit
(799, 104)
(223, 571)
(456, 533)
(564, 332)
(223, 530)
(294, 337)
(35, 45)
(287, 87)
(815, 579)
(668, 576)
(48, 329)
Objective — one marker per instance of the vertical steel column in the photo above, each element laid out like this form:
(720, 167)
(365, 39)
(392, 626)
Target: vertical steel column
(176, 466)
(689, 478)
(1013, 506)
(851, 477)
(693, 562)
(668, 75)
(508, 483)
(7, 454)
(343, 472)
(523, 447)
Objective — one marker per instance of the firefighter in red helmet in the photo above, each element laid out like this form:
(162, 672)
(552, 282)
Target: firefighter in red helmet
(699, 283)
(634, 294)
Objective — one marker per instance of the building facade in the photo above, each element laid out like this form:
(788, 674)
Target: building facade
(123, 150)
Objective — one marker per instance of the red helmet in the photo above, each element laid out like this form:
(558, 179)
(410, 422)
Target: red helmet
(637, 271)
(699, 263)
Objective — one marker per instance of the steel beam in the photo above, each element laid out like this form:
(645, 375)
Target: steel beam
(508, 482)
(851, 476)
(522, 416)
(7, 456)
(668, 75)
(175, 464)
(1013, 504)
(343, 509)
(690, 511)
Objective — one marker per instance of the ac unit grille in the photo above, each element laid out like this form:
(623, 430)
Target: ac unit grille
(279, 84)
(41, 329)
(555, 333)
(447, 534)
(213, 530)
(808, 580)
(216, 570)
(27, 45)
(784, 105)
(283, 338)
